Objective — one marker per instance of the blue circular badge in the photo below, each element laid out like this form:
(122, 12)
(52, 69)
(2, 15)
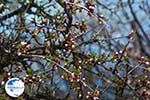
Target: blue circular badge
(14, 87)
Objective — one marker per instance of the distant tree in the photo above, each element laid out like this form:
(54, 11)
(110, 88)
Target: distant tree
(76, 49)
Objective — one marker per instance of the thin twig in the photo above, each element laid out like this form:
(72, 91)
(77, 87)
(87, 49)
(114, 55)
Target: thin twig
(133, 69)
(60, 66)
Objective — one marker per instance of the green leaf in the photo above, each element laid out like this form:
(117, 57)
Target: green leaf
(120, 68)
(43, 76)
(75, 70)
(3, 97)
(30, 71)
(92, 1)
(68, 62)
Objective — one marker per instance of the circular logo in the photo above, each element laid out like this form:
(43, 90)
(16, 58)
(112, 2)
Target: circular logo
(14, 87)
